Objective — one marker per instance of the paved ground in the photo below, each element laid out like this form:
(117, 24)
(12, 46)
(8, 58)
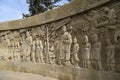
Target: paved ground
(10, 75)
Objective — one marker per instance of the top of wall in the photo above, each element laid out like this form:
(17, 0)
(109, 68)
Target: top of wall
(75, 7)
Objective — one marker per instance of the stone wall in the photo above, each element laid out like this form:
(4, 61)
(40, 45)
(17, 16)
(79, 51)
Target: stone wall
(59, 72)
(81, 34)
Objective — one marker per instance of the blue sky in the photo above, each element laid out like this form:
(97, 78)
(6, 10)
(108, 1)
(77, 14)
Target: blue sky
(13, 9)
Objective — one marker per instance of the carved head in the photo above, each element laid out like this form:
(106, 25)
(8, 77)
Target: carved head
(64, 28)
(27, 33)
(106, 9)
(6, 36)
(86, 39)
(108, 42)
(117, 36)
(33, 44)
(95, 38)
(75, 40)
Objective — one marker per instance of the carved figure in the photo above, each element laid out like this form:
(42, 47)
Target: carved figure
(51, 55)
(93, 18)
(110, 53)
(85, 50)
(105, 18)
(24, 47)
(96, 53)
(109, 18)
(66, 41)
(57, 51)
(117, 36)
(17, 49)
(29, 39)
(39, 51)
(33, 51)
(7, 44)
(44, 52)
(109, 14)
(74, 54)
(21, 49)
(13, 49)
(29, 42)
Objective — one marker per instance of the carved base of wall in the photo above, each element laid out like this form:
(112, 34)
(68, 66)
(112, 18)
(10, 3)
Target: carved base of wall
(59, 72)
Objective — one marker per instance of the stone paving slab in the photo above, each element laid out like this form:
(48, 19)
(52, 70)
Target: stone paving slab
(10, 75)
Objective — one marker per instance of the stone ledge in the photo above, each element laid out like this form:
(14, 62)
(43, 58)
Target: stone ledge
(59, 72)
(67, 10)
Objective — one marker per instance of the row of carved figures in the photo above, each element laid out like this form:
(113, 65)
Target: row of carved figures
(91, 53)
(62, 52)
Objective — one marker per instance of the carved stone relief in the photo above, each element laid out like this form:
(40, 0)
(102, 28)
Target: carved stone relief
(110, 53)
(76, 41)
